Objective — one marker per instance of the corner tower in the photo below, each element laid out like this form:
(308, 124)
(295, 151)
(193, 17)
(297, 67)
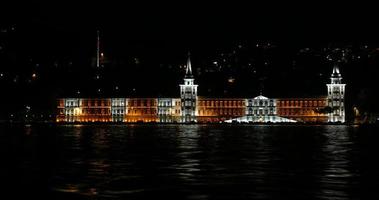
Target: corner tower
(336, 97)
(188, 95)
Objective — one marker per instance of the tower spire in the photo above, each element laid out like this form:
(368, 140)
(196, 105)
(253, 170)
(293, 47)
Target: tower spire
(189, 67)
(336, 76)
(336, 70)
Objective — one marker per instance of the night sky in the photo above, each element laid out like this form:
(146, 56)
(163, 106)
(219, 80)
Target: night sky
(47, 50)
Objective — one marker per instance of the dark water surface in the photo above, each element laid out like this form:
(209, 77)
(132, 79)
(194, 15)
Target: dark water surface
(189, 162)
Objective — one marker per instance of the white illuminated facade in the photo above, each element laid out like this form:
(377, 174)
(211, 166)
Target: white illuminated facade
(260, 109)
(169, 109)
(260, 106)
(118, 110)
(188, 96)
(336, 97)
(72, 108)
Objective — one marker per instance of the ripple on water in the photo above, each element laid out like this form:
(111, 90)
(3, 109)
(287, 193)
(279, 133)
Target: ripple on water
(193, 162)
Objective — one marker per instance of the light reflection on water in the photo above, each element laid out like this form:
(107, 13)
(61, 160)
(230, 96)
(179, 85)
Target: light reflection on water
(191, 161)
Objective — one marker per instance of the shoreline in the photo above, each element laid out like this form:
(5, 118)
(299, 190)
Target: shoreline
(165, 123)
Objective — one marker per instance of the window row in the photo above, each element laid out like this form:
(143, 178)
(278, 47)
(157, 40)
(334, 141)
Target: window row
(261, 112)
(305, 103)
(221, 103)
(221, 112)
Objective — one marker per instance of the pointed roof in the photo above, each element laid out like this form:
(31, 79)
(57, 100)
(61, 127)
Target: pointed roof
(336, 72)
(189, 68)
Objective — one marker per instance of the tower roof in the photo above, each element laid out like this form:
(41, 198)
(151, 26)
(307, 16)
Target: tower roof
(189, 68)
(336, 72)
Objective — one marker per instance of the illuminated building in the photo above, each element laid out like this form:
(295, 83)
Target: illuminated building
(188, 95)
(302, 109)
(84, 110)
(107, 110)
(193, 108)
(169, 110)
(219, 109)
(262, 110)
(141, 110)
(118, 109)
(336, 97)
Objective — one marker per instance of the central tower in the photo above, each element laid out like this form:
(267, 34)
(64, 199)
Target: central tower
(188, 95)
(336, 97)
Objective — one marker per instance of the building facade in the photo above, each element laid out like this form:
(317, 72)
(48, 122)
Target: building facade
(191, 108)
(169, 110)
(303, 109)
(260, 109)
(336, 97)
(219, 109)
(188, 96)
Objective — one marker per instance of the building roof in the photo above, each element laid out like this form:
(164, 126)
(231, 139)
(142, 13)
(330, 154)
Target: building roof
(260, 97)
(189, 68)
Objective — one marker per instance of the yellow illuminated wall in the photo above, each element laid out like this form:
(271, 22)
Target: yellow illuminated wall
(219, 109)
(303, 109)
